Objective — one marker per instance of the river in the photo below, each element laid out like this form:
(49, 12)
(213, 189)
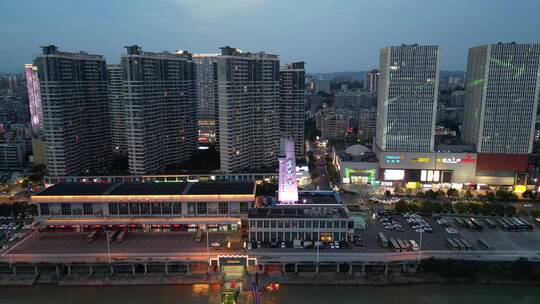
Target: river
(417, 294)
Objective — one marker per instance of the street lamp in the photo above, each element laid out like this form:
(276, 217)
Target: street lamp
(108, 244)
(420, 249)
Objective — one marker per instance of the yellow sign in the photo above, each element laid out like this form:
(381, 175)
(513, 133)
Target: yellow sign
(520, 188)
(412, 185)
(422, 160)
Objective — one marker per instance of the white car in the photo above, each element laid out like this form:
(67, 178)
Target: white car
(215, 244)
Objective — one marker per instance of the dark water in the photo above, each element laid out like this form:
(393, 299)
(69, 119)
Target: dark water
(417, 294)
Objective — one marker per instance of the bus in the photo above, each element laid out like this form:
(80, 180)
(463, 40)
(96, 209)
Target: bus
(92, 236)
(468, 245)
(470, 225)
(483, 244)
(490, 224)
(503, 225)
(395, 245)
(460, 245)
(459, 222)
(382, 239)
(527, 224)
(451, 244)
(511, 226)
(122, 235)
(477, 223)
(414, 245)
(403, 245)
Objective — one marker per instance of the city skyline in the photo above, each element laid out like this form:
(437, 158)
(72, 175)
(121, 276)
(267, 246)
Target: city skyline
(202, 26)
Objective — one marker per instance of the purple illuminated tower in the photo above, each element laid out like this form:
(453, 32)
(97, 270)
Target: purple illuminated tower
(287, 188)
(34, 99)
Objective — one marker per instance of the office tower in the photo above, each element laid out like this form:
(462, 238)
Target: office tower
(34, 99)
(159, 92)
(248, 98)
(206, 75)
(407, 102)
(333, 123)
(367, 124)
(75, 111)
(371, 81)
(292, 79)
(117, 108)
(502, 97)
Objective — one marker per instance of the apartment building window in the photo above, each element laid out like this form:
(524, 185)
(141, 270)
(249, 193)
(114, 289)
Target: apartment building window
(223, 208)
(88, 208)
(156, 208)
(113, 208)
(201, 208)
(66, 209)
(44, 209)
(243, 207)
(145, 208)
(177, 208)
(166, 207)
(191, 208)
(134, 208)
(123, 208)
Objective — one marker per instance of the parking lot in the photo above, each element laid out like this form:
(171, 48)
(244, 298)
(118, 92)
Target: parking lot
(135, 242)
(13, 229)
(496, 238)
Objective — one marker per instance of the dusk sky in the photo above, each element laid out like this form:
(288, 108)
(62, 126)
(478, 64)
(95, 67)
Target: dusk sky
(329, 35)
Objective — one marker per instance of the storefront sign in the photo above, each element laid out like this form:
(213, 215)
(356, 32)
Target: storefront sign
(453, 160)
(393, 159)
(421, 160)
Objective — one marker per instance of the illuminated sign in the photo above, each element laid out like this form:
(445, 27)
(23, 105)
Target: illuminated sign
(287, 187)
(392, 175)
(421, 160)
(393, 159)
(453, 160)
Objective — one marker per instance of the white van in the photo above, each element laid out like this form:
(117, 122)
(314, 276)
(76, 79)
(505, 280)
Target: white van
(414, 245)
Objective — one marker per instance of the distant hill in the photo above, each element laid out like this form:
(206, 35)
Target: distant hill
(360, 74)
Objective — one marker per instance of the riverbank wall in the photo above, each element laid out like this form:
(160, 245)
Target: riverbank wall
(428, 271)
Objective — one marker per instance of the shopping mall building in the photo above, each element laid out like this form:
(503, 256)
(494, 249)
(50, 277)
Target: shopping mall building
(416, 170)
(145, 206)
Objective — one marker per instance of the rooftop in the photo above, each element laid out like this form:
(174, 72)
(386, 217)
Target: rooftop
(149, 188)
(319, 198)
(297, 211)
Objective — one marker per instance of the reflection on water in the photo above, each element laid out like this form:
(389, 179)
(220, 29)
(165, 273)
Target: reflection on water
(210, 293)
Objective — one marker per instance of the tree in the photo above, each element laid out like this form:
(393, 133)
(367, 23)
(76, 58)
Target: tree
(535, 212)
(523, 212)
(510, 210)
(528, 194)
(461, 207)
(452, 193)
(401, 206)
(498, 209)
(468, 194)
(490, 196)
(430, 194)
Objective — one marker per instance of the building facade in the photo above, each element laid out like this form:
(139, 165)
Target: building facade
(143, 205)
(159, 92)
(408, 88)
(206, 75)
(298, 223)
(292, 79)
(248, 98)
(34, 99)
(502, 97)
(117, 108)
(75, 103)
(371, 81)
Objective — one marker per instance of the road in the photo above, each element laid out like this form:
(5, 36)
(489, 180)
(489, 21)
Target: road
(320, 183)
